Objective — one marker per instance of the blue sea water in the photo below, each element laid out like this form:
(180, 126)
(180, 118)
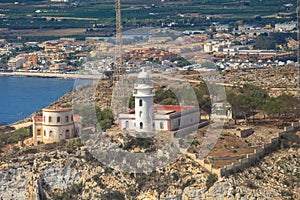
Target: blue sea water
(28, 94)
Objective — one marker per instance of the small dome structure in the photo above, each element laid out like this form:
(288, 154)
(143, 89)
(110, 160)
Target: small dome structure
(143, 75)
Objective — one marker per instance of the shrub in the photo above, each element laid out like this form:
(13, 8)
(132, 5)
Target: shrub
(175, 176)
(258, 177)
(211, 179)
(195, 143)
(113, 195)
(250, 184)
(286, 182)
(189, 182)
(16, 149)
(15, 136)
(286, 193)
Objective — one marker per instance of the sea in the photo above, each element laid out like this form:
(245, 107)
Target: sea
(21, 96)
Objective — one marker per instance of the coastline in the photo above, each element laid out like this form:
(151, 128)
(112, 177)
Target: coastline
(25, 121)
(53, 75)
(27, 118)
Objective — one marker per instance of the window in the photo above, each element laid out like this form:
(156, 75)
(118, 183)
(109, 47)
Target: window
(55, 135)
(141, 125)
(141, 113)
(161, 125)
(127, 124)
(72, 118)
(45, 133)
(44, 119)
(67, 119)
(38, 132)
(141, 102)
(67, 133)
(50, 119)
(58, 120)
(50, 134)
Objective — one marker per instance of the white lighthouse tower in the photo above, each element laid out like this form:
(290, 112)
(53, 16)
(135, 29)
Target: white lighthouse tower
(143, 103)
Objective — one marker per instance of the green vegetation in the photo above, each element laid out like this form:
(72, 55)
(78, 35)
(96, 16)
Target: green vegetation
(130, 101)
(266, 41)
(195, 143)
(290, 140)
(105, 118)
(113, 195)
(84, 14)
(70, 193)
(164, 96)
(95, 115)
(211, 179)
(181, 62)
(247, 100)
(97, 178)
(15, 136)
(283, 106)
(143, 143)
(250, 184)
(203, 97)
(64, 145)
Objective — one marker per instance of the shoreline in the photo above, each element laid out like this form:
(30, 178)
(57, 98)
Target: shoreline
(28, 118)
(52, 75)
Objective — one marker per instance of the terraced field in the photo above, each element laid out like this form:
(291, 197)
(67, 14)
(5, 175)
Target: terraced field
(193, 14)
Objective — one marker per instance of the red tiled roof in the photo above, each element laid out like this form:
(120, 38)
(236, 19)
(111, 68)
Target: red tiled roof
(175, 108)
(168, 109)
(76, 117)
(130, 112)
(57, 109)
(38, 119)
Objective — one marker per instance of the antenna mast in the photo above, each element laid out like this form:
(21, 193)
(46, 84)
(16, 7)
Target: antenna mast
(119, 58)
(298, 49)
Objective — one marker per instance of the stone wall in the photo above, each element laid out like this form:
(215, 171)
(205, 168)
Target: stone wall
(248, 159)
(245, 132)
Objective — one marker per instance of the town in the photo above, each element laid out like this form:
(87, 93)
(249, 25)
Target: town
(237, 46)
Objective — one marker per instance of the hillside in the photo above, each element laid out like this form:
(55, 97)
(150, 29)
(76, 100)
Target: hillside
(68, 171)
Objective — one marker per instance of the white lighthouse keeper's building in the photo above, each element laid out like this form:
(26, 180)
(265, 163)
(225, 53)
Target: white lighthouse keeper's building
(147, 117)
(143, 103)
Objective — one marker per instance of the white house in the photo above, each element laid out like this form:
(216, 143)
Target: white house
(285, 27)
(147, 117)
(16, 63)
(54, 125)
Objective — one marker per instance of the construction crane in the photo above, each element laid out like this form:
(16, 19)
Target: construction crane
(118, 57)
(119, 71)
(298, 53)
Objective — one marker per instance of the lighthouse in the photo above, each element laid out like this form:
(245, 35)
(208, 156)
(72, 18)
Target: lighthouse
(143, 103)
(150, 118)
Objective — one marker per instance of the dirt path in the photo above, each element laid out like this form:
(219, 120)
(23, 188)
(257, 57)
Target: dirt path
(21, 125)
